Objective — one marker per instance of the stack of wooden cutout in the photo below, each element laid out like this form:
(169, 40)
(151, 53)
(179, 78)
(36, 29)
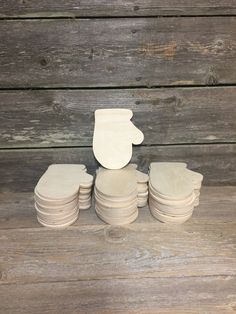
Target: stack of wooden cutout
(60, 193)
(142, 181)
(173, 191)
(119, 193)
(119, 189)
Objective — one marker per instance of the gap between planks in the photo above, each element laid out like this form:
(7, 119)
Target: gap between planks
(127, 87)
(89, 146)
(77, 17)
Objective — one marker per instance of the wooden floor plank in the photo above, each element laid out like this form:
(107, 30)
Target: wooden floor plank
(66, 117)
(117, 52)
(88, 8)
(104, 252)
(146, 296)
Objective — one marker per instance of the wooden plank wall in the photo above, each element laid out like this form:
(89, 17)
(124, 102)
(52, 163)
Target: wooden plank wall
(173, 63)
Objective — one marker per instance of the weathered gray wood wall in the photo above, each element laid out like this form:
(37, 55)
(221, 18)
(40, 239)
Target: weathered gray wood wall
(172, 63)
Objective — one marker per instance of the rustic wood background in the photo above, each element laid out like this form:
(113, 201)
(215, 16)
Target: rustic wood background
(172, 62)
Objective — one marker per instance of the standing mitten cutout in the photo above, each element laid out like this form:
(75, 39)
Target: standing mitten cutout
(114, 135)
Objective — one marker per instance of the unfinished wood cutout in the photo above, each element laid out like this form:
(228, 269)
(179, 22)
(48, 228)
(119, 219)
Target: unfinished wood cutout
(116, 183)
(117, 220)
(57, 194)
(48, 217)
(196, 178)
(169, 219)
(142, 187)
(169, 182)
(61, 182)
(115, 194)
(119, 193)
(58, 226)
(142, 177)
(114, 135)
(155, 166)
(173, 191)
(58, 208)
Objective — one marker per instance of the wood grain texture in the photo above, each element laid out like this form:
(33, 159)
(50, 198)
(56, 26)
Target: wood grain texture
(147, 296)
(117, 52)
(145, 267)
(88, 8)
(166, 116)
(152, 250)
(21, 169)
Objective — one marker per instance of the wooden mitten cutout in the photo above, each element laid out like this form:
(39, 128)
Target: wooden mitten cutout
(173, 191)
(113, 137)
(142, 184)
(197, 179)
(169, 181)
(116, 195)
(61, 182)
(60, 193)
(160, 165)
(142, 177)
(85, 191)
(116, 183)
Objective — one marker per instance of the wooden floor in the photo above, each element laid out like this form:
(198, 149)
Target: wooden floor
(145, 267)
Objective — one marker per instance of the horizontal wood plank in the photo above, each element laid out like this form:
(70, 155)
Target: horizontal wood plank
(217, 206)
(152, 250)
(119, 52)
(21, 169)
(141, 296)
(88, 8)
(166, 116)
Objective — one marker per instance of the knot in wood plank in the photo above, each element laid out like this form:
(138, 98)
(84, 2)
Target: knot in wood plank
(3, 276)
(115, 234)
(43, 61)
